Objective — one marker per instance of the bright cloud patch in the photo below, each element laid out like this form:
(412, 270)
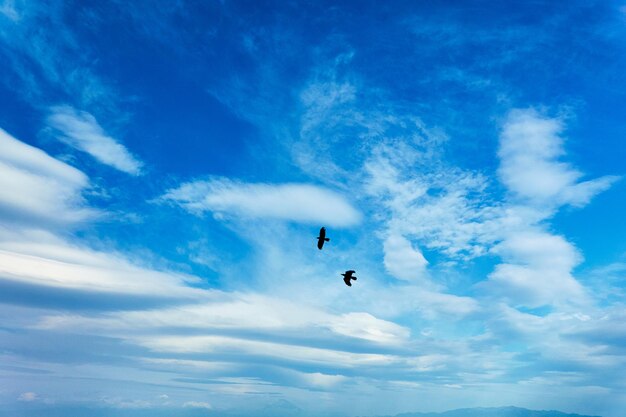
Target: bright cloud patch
(366, 326)
(402, 260)
(81, 130)
(293, 202)
(221, 345)
(197, 404)
(538, 270)
(440, 207)
(530, 148)
(239, 312)
(36, 187)
(28, 397)
(53, 263)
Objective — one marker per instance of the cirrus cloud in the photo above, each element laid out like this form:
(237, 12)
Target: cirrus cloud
(37, 188)
(82, 131)
(293, 202)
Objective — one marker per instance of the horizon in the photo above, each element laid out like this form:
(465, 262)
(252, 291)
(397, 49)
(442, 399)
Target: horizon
(165, 172)
(281, 407)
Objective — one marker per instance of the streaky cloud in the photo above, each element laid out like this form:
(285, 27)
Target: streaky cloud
(36, 188)
(60, 265)
(292, 202)
(82, 131)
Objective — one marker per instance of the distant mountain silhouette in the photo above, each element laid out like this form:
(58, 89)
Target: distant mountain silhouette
(494, 412)
(280, 408)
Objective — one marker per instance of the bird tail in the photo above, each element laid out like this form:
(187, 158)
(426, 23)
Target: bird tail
(326, 239)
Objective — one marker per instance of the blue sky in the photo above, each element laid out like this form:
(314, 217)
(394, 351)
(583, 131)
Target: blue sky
(165, 168)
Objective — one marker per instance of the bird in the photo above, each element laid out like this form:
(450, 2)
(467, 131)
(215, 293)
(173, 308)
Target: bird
(348, 276)
(322, 238)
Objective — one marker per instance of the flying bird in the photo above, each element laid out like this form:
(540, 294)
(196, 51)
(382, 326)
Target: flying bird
(322, 238)
(348, 276)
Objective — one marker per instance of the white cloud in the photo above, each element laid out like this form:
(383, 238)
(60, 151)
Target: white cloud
(537, 270)
(240, 312)
(35, 187)
(448, 213)
(588, 343)
(402, 260)
(39, 258)
(540, 249)
(81, 130)
(28, 397)
(440, 207)
(340, 115)
(38, 194)
(198, 404)
(530, 148)
(320, 380)
(293, 202)
(322, 98)
(300, 354)
(433, 304)
(538, 265)
(366, 326)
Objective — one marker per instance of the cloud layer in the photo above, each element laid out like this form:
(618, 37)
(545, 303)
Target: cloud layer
(479, 243)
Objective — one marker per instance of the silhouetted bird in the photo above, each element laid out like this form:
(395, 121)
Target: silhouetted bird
(322, 238)
(348, 276)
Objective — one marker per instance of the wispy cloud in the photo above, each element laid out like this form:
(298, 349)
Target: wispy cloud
(443, 208)
(38, 62)
(8, 9)
(239, 312)
(40, 197)
(198, 404)
(28, 397)
(36, 188)
(81, 130)
(51, 263)
(293, 202)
